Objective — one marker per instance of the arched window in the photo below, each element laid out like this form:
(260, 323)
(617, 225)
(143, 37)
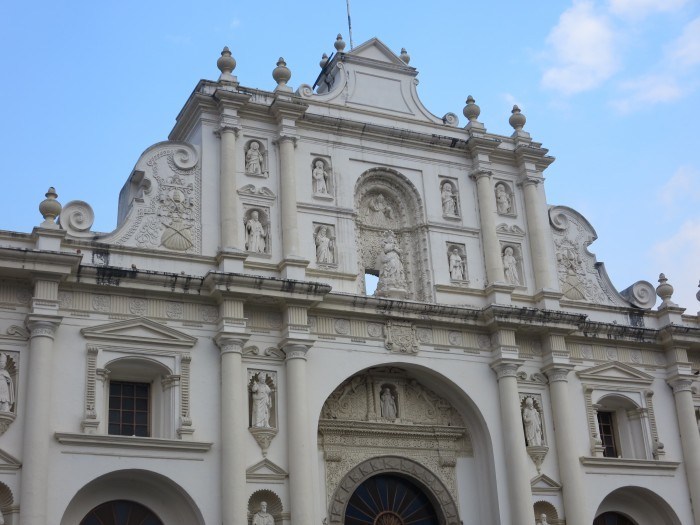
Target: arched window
(620, 427)
(613, 518)
(121, 512)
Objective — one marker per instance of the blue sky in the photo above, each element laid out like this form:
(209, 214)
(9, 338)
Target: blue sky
(611, 87)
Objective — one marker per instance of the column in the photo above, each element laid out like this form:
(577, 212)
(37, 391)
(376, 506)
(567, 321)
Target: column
(541, 244)
(301, 443)
(487, 215)
(288, 197)
(521, 509)
(690, 439)
(234, 419)
(569, 465)
(37, 423)
(228, 199)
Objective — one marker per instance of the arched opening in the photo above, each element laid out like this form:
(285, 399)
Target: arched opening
(635, 506)
(613, 518)
(388, 499)
(121, 512)
(620, 427)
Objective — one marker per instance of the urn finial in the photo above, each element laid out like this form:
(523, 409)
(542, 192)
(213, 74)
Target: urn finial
(50, 208)
(282, 74)
(471, 110)
(226, 64)
(664, 291)
(324, 61)
(517, 119)
(339, 43)
(404, 56)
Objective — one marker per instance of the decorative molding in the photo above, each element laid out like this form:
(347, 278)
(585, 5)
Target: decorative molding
(543, 484)
(622, 465)
(401, 337)
(8, 462)
(102, 440)
(270, 353)
(141, 331)
(266, 471)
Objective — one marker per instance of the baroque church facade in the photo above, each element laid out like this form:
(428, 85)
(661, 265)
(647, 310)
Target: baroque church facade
(217, 359)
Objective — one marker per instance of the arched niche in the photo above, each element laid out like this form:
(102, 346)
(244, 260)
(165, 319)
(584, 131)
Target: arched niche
(639, 505)
(463, 460)
(386, 201)
(165, 498)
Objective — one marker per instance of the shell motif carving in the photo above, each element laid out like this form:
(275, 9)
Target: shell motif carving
(77, 218)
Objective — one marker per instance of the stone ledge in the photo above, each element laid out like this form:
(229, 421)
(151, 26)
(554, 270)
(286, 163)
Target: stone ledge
(629, 463)
(104, 440)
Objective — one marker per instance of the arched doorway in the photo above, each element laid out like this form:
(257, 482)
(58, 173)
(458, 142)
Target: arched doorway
(121, 512)
(388, 499)
(613, 518)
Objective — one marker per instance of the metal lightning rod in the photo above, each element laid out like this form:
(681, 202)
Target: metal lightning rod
(349, 25)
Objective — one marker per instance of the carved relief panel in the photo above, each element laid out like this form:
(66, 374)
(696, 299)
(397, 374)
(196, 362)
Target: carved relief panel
(449, 197)
(256, 158)
(322, 182)
(256, 221)
(505, 201)
(457, 262)
(325, 242)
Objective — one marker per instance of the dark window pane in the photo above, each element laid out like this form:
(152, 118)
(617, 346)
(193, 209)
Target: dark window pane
(126, 409)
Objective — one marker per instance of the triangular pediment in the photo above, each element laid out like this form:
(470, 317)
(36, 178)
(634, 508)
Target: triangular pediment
(375, 49)
(139, 330)
(266, 471)
(8, 461)
(544, 483)
(615, 372)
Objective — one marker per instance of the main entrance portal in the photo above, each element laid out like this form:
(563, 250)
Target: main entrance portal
(121, 512)
(387, 499)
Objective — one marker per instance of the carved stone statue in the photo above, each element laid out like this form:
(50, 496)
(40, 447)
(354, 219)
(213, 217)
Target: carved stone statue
(387, 404)
(533, 424)
(543, 519)
(324, 246)
(320, 177)
(379, 212)
(254, 159)
(503, 201)
(510, 267)
(255, 234)
(262, 402)
(391, 273)
(262, 517)
(7, 390)
(456, 266)
(449, 200)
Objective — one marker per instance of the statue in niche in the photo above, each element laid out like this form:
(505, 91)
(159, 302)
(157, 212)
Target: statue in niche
(262, 517)
(387, 404)
(543, 519)
(320, 177)
(379, 212)
(254, 159)
(324, 246)
(449, 199)
(262, 402)
(7, 389)
(391, 273)
(255, 234)
(456, 265)
(533, 424)
(510, 266)
(503, 200)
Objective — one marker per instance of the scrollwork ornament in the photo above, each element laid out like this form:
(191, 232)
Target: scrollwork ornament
(77, 217)
(185, 157)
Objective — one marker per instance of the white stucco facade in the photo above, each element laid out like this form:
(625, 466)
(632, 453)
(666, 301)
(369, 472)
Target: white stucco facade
(495, 377)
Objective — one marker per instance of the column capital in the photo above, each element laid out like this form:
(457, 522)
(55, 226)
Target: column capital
(230, 343)
(681, 384)
(557, 373)
(296, 351)
(505, 368)
(480, 174)
(531, 180)
(43, 327)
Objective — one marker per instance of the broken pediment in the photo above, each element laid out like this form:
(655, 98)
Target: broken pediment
(616, 373)
(266, 471)
(140, 331)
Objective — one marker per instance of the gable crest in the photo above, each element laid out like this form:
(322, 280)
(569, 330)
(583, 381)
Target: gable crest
(266, 471)
(615, 372)
(140, 331)
(543, 484)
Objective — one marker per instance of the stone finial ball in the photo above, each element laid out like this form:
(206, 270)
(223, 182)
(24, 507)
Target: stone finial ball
(339, 43)
(226, 63)
(471, 110)
(517, 119)
(281, 73)
(50, 208)
(324, 61)
(404, 56)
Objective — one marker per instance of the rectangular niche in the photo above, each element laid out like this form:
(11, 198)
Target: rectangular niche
(505, 198)
(512, 256)
(256, 229)
(456, 257)
(322, 180)
(449, 198)
(256, 157)
(262, 399)
(326, 246)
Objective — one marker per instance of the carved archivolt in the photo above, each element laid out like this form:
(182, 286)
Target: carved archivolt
(385, 411)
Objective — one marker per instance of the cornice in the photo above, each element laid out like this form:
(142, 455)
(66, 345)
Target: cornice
(552, 321)
(243, 286)
(24, 262)
(131, 442)
(622, 465)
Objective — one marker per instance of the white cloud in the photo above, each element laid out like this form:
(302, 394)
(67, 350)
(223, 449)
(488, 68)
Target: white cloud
(685, 50)
(510, 99)
(642, 8)
(583, 46)
(677, 257)
(683, 188)
(639, 93)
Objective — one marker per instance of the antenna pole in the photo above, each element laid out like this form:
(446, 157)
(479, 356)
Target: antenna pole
(349, 25)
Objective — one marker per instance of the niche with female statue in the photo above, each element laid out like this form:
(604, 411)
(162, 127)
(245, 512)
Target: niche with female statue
(8, 390)
(256, 223)
(262, 406)
(324, 240)
(391, 240)
(505, 201)
(322, 178)
(512, 255)
(256, 158)
(449, 198)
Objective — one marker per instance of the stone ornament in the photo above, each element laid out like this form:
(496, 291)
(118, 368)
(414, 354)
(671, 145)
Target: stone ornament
(324, 239)
(77, 218)
(532, 423)
(226, 64)
(511, 265)
(256, 159)
(504, 199)
(50, 208)
(457, 261)
(379, 212)
(256, 222)
(449, 199)
(8, 405)
(262, 517)
(392, 279)
(401, 338)
(321, 179)
(388, 404)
